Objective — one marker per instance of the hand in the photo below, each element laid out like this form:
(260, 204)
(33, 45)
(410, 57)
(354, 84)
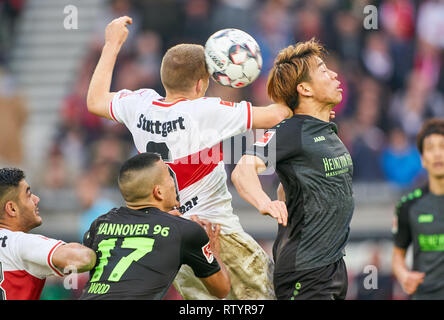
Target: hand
(116, 32)
(411, 280)
(332, 115)
(175, 212)
(276, 209)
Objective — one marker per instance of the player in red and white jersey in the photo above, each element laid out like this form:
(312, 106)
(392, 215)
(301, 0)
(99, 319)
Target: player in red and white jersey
(26, 260)
(187, 129)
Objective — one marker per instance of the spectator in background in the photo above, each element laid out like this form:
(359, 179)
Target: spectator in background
(418, 101)
(233, 14)
(197, 22)
(12, 120)
(92, 202)
(400, 160)
(148, 57)
(348, 37)
(273, 31)
(398, 22)
(75, 118)
(368, 137)
(376, 57)
(116, 8)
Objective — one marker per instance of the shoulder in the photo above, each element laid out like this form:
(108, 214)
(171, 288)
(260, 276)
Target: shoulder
(144, 93)
(409, 199)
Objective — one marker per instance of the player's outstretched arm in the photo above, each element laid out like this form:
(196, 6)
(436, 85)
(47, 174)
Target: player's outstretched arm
(74, 255)
(246, 180)
(269, 116)
(409, 280)
(99, 95)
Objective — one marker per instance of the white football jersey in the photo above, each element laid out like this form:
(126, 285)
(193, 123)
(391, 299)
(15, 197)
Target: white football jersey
(188, 134)
(25, 263)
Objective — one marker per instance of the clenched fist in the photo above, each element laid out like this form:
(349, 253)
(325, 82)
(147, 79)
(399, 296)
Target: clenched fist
(116, 31)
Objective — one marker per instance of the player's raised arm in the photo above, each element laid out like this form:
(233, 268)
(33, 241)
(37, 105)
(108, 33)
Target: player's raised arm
(246, 180)
(99, 95)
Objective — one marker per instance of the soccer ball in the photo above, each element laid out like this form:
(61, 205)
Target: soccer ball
(233, 58)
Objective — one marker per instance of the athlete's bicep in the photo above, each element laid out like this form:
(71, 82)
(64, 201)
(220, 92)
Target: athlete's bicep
(101, 108)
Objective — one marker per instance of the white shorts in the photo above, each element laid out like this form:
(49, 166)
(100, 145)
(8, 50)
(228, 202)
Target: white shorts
(249, 266)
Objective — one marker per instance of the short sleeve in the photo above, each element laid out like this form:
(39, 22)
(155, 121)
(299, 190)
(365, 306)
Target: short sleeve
(226, 118)
(401, 230)
(88, 237)
(277, 144)
(124, 104)
(196, 251)
(36, 252)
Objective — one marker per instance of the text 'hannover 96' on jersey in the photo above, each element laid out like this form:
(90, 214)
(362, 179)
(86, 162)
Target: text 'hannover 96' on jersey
(139, 253)
(188, 135)
(25, 263)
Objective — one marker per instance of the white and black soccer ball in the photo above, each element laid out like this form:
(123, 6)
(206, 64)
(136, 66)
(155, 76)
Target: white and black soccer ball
(233, 58)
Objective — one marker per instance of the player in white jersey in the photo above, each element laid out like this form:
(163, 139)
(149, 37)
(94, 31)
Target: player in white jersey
(187, 129)
(26, 260)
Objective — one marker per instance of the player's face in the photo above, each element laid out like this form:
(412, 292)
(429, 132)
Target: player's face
(28, 207)
(433, 155)
(325, 87)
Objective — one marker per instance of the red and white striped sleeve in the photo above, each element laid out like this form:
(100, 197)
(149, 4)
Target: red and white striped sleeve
(36, 253)
(125, 103)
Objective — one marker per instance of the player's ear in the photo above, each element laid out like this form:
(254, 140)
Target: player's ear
(304, 89)
(157, 193)
(11, 208)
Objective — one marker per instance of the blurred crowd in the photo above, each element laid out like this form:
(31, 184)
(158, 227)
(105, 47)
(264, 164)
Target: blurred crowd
(391, 75)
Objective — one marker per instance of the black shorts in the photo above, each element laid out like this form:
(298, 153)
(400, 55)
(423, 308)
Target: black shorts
(325, 283)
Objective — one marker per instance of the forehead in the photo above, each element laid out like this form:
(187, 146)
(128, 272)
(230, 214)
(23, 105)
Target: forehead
(318, 62)
(23, 185)
(433, 138)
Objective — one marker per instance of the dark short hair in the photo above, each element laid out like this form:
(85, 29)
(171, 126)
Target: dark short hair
(432, 126)
(10, 178)
(141, 161)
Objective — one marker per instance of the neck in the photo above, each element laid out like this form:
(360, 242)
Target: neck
(9, 227)
(145, 204)
(172, 97)
(436, 185)
(316, 110)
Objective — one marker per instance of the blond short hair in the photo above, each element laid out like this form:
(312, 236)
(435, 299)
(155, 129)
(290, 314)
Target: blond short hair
(291, 67)
(182, 66)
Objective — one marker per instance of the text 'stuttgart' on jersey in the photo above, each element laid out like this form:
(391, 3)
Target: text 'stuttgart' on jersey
(188, 135)
(139, 253)
(25, 263)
